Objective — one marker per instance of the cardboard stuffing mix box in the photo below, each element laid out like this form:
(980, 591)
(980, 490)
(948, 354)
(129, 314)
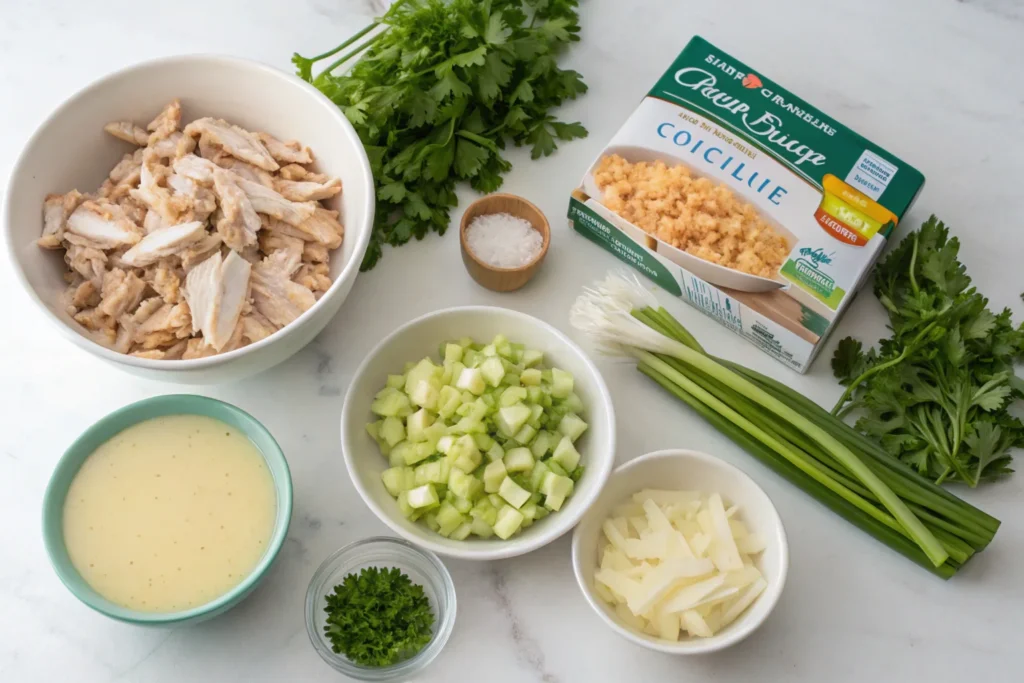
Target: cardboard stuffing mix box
(746, 201)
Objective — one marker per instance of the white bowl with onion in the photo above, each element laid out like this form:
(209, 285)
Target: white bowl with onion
(686, 473)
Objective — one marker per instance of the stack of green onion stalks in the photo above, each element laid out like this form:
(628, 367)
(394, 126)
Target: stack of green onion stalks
(803, 442)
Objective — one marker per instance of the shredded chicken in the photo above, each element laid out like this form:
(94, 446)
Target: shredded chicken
(304, 191)
(291, 152)
(127, 131)
(239, 223)
(201, 240)
(274, 294)
(233, 140)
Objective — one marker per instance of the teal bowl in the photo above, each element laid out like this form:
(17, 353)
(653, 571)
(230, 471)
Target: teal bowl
(119, 420)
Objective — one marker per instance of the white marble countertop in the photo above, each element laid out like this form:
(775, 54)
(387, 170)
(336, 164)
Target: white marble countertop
(937, 81)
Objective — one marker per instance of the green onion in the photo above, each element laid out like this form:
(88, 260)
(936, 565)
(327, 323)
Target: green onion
(794, 436)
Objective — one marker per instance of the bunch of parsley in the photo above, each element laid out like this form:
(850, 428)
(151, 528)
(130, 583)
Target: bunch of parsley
(936, 393)
(439, 88)
(378, 618)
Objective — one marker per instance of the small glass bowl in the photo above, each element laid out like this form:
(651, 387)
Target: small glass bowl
(421, 566)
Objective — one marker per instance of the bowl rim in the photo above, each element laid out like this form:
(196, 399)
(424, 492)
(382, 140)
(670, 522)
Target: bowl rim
(406, 667)
(512, 547)
(189, 60)
(740, 629)
(54, 541)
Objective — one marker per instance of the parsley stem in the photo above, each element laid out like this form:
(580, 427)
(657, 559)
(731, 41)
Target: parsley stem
(351, 53)
(331, 53)
(875, 369)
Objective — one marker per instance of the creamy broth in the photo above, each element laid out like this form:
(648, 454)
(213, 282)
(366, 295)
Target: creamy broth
(170, 513)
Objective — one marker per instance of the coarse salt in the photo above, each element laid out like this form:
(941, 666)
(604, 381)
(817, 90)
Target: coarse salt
(502, 240)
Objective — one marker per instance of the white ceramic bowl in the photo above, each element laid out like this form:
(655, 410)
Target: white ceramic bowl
(70, 150)
(686, 470)
(420, 338)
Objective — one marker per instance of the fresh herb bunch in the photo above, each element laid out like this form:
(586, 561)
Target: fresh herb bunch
(378, 618)
(936, 393)
(438, 92)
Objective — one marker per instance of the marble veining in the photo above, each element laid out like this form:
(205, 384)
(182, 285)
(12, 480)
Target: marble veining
(937, 81)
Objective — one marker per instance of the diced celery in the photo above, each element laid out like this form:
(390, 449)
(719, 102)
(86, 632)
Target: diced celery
(471, 380)
(481, 528)
(444, 443)
(508, 522)
(495, 499)
(530, 377)
(395, 459)
(573, 403)
(448, 401)
(561, 383)
(395, 381)
(483, 441)
(511, 418)
(471, 357)
(513, 493)
(484, 510)
(555, 467)
(413, 453)
(494, 474)
(464, 454)
(541, 444)
(425, 394)
(555, 489)
(572, 426)
(452, 353)
(529, 511)
(577, 473)
(392, 430)
(517, 351)
(495, 452)
(465, 342)
(534, 394)
(464, 485)
(391, 402)
(407, 510)
(545, 376)
(489, 350)
(519, 460)
(454, 372)
(373, 429)
(398, 479)
(448, 519)
(416, 424)
(430, 519)
(525, 435)
(422, 496)
(433, 434)
(461, 504)
(566, 454)
(492, 371)
(537, 475)
(462, 532)
(512, 396)
(531, 357)
(434, 472)
(510, 379)
(424, 371)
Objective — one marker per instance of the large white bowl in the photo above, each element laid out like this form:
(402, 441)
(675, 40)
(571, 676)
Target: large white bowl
(70, 150)
(686, 470)
(420, 338)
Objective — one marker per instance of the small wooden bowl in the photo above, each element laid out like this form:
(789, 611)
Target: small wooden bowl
(503, 279)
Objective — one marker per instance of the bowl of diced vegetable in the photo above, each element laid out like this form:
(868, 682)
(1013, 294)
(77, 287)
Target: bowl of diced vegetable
(478, 432)
(681, 553)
